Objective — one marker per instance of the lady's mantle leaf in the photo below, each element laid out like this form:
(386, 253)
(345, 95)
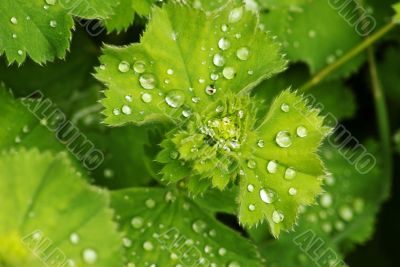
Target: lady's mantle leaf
(42, 28)
(345, 216)
(50, 216)
(185, 59)
(164, 228)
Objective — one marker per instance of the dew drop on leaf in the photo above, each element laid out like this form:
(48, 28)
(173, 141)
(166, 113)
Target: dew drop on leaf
(292, 191)
(301, 131)
(51, 2)
(224, 44)
(250, 188)
(243, 53)
(123, 66)
(290, 174)
(147, 98)
(210, 90)
(74, 238)
(147, 81)
(148, 246)
(199, 226)
(268, 196)
(283, 139)
(53, 23)
(229, 73)
(14, 20)
(139, 66)
(346, 213)
(150, 203)
(234, 264)
(222, 251)
(252, 207)
(175, 98)
(137, 222)
(126, 110)
(285, 107)
(326, 200)
(261, 143)
(89, 256)
(272, 166)
(235, 15)
(218, 60)
(277, 216)
(116, 112)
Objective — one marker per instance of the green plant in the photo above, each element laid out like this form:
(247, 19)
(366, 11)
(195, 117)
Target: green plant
(222, 142)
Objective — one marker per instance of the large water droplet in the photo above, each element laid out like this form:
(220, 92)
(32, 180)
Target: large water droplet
(123, 66)
(283, 139)
(126, 110)
(243, 53)
(326, 200)
(224, 44)
(250, 188)
(139, 66)
(147, 81)
(211, 90)
(199, 226)
(89, 256)
(301, 131)
(229, 73)
(272, 166)
(290, 173)
(137, 222)
(346, 213)
(235, 15)
(148, 246)
(268, 196)
(222, 251)
(14, 20)
(277, 216)
(147, 98)
(175, 98)
(218, 60)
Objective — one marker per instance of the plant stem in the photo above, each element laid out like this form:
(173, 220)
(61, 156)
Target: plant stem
(349, 55)
(381, 114)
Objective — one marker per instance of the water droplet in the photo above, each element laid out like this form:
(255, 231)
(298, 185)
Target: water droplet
(250, 72)
(186, 113)
(126, 242)
(199, 226)
(137, 222)
(20, 52)
(250, 188)
(301, 131)
(283, 139)
(116, 112)
(285, 107)
(252, 207)
(339, 225)
(147, 98)
(51, 2)
(326, 200)
(175, 98)
(243, 53)
(251, 164)
(14, 36)
(74, 238)
(170, 71)
(224, 27)
(290, 173)
(327, 227)
(277, 216)
(234, 264)
(211, 90)
(214, 76)
(218, 60)
(123, 66)
(128, 98)
(312, 33)
(236, 15)
(268, 196)
(148, 246)
(126, 110)
(346, 213)
(358, 205)
(272, 166)
(53, 23)
(195, 99)
(224, 44)
(260, 143)
(174, 154)
(89, 256)
(139, 66)
(222, 251)
(229, 73)
(292, 191)
(150, 203)
(147, 81)
(14, 20)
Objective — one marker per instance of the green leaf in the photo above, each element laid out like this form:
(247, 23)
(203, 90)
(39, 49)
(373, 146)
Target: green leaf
(285, 171)
(51, 216)
(397, 9)
(169, 66)
(345, 216)
(163, 227)
(308, 38)
(41, 29)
